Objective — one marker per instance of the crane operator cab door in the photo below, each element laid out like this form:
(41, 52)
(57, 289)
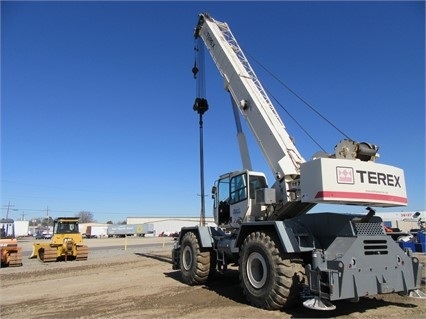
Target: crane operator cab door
(234, 197)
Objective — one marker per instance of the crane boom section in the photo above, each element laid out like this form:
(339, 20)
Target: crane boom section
(254, 104)
(349, 176)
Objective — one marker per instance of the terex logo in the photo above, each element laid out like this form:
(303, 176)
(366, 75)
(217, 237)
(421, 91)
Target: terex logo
(379, 178)
(345, 175)
(210, 40)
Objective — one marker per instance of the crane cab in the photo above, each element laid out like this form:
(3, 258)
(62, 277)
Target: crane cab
(240, 196)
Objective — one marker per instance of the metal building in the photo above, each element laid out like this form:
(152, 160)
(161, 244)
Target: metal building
(169, 225)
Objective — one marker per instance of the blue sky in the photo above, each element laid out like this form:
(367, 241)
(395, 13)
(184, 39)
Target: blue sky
(96, 98)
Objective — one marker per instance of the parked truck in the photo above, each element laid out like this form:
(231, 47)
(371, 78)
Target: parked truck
(21, 228)
(96, 231)
(284, 254)
(130, 230)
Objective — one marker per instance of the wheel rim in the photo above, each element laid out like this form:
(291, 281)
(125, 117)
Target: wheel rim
(187, 258)
(256, 270)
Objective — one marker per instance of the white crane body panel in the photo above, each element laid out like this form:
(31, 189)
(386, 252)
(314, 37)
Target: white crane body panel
(341, 181)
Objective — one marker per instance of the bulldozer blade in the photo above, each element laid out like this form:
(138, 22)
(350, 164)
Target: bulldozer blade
(44, 253)
(34, 253)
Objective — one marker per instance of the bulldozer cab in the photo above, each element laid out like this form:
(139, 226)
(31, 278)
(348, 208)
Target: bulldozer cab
(65, 225)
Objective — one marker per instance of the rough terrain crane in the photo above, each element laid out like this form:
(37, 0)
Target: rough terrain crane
(285, 255)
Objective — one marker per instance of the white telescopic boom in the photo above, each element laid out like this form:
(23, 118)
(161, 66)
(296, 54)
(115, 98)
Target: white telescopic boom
(250, 97)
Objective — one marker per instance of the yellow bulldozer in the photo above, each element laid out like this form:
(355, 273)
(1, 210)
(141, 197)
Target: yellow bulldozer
(10, 251)
(66, 243)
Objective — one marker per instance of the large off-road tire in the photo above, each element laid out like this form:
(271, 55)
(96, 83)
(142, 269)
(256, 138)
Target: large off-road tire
(270, 280)
(194, 261)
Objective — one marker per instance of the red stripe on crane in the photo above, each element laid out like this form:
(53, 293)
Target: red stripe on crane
(362, 196)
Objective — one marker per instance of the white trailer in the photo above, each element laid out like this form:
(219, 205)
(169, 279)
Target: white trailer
(21, 228)
(130, 230)
(96, 231)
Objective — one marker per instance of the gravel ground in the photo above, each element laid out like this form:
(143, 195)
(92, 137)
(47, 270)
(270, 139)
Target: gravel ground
(134, 279)
(100, 250)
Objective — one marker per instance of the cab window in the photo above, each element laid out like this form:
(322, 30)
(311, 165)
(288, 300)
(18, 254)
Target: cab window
(238, 187)
(256, 182)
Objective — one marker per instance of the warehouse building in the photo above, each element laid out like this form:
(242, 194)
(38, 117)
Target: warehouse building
(169, 225)
(405, 221)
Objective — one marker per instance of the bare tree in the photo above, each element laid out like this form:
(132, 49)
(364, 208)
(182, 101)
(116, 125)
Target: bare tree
(85, 217)
(35, 221)
(47, 221)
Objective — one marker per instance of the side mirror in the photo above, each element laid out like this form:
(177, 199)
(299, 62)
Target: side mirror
(214, 192)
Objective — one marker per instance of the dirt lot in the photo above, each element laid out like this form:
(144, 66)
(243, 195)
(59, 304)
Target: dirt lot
(134, 279)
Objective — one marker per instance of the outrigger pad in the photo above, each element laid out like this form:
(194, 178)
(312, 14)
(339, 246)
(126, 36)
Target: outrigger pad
(317, 303)
(417, 294)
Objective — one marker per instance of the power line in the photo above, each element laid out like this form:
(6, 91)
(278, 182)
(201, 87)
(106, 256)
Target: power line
(8, 206)
(65, 188)
(72, 211)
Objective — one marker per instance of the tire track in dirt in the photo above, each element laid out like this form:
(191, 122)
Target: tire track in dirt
(140, 284)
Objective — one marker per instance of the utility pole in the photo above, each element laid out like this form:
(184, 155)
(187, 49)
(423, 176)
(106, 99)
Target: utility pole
(47, 217)
(8, 208)
(7, 216)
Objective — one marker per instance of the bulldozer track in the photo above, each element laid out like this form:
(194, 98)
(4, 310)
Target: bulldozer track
(82, 252)
(15, 258)
(48, 254)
